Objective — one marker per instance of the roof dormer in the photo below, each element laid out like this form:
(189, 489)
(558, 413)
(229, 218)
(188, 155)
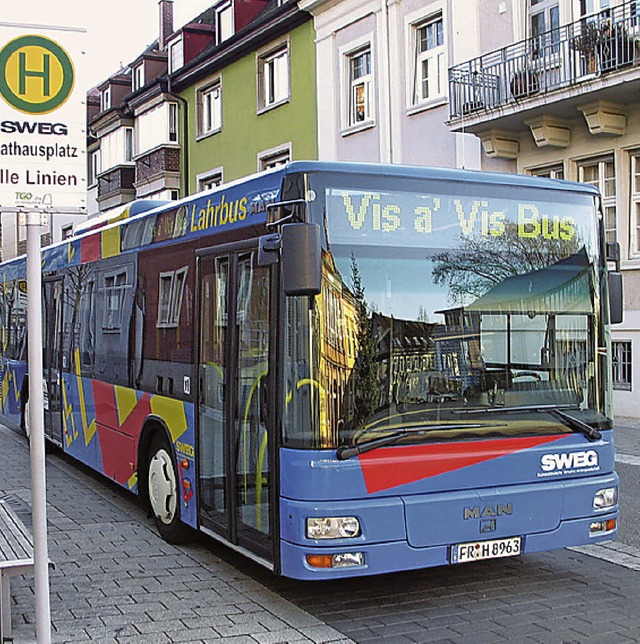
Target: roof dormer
(114, 89)
(148, 66)
(186, 43)
(232, 15)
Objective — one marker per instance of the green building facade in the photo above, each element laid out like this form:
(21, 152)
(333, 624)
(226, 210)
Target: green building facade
(250, 104)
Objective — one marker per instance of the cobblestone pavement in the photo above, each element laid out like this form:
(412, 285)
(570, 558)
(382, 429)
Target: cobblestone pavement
(117, 581)
(587, 594)
(627, 432)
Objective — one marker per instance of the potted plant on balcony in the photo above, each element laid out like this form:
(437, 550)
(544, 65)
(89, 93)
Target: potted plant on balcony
(524, 82)
(617, 48)
(587, 43)
(610, 44)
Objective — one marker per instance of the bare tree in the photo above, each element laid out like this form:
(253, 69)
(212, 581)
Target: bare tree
(480, 263)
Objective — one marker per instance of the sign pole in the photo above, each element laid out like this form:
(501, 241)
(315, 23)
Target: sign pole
(36, 425)
(42, 170)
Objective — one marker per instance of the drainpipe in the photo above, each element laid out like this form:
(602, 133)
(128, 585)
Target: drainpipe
(386, 146)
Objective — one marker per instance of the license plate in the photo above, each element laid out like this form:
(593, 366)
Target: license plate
(477, 550)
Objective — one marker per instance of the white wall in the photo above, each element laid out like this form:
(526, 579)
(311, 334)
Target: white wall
(152, 129)
(400, 132)
(625, 403)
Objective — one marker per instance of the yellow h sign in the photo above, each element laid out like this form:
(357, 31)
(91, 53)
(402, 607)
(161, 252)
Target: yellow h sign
(36, 74)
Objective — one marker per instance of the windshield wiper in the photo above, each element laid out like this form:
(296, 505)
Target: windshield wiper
(347, 451)
(555, 410)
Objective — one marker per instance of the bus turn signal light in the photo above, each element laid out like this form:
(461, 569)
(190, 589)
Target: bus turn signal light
(319, 561)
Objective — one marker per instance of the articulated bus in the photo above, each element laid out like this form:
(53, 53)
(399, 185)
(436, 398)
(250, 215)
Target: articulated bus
(339, 369)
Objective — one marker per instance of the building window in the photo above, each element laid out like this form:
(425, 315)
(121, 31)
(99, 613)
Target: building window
(602, 175)
(94, 167)
(590, 7)
(173, 122)
(224, 22)
(176, 55)
(209, 180)
(114, 290)
(621, 365)
(545, 24)
(273, 78)
(155, 127)
(138, 77)
(210, 109)
(274, 158)
(549, 172)
(634, 224)
(170, 297)
(360, 90)
(105, 99)
(128, 144)
(66, 232)
(429, 72)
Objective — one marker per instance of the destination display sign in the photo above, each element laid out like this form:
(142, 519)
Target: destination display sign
(42, 118)
(401, 218)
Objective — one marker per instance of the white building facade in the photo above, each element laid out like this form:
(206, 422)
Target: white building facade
(544, 87)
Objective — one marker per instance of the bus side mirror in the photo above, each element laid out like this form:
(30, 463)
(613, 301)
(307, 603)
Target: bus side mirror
(615, 297)
(301, 259)
(612, 253)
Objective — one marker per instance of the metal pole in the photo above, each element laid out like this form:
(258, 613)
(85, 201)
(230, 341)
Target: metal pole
(36, 425)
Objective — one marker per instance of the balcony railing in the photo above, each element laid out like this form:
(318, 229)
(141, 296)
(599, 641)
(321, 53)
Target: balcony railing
(156, 163)
(114, 181)
(571, 54)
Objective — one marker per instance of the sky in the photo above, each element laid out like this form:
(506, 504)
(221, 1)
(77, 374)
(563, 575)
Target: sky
(117, 30)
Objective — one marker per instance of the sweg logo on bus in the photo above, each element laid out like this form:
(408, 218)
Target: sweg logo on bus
(569, 461)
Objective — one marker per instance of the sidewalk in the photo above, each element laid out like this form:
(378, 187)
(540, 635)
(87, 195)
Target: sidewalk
(118, 581)
(627, 438)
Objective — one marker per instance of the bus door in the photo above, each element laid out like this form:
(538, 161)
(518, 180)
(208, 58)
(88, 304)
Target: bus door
(52, 358)
(234, 428)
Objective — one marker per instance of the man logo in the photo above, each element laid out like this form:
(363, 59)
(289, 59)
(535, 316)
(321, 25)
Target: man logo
(36, 74)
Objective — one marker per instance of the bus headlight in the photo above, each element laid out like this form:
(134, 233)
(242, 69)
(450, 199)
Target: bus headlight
(332, 527)
(605, 498)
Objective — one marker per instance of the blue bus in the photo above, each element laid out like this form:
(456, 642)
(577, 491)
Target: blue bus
(339, 369)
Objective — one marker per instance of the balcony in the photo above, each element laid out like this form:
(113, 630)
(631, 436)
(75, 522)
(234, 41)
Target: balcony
(160, 161)
(158, 170)
(115, 186)
(584, 64)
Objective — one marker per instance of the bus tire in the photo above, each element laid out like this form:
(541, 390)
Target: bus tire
(24, 407)
(24, 421)
(163, 491)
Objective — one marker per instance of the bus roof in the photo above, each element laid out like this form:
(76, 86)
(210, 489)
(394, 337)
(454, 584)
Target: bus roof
(439, 174)
(256, 191)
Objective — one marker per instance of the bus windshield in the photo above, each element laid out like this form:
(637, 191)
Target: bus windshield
(442, 299)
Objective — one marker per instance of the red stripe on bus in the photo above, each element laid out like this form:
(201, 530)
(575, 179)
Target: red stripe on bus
(90, 248)
(389, 467)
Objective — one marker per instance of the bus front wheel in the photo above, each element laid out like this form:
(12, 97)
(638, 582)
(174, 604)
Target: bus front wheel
(163, 491)
(25, 422)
